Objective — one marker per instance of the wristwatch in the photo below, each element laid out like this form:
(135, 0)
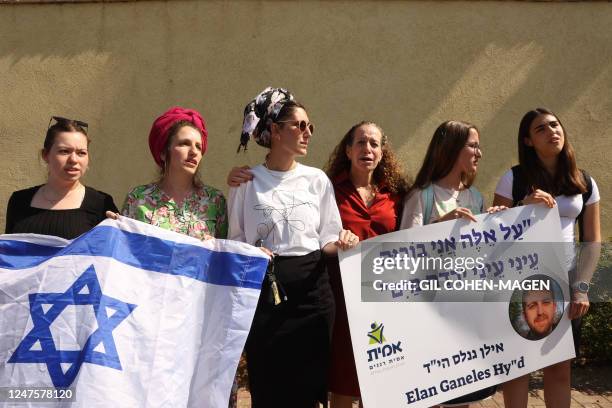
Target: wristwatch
(581, 286)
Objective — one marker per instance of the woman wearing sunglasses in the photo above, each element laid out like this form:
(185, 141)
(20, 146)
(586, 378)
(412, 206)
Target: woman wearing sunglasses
(443, 191)
(547, 174)
(369, 189)
(63, 206)
(289, 209)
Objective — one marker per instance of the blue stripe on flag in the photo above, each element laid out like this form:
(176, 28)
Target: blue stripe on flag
(145, 252)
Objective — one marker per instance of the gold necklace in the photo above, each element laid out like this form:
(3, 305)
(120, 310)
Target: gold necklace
(55, 200)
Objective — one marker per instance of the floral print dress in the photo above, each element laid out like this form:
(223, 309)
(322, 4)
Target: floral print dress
(203, 213)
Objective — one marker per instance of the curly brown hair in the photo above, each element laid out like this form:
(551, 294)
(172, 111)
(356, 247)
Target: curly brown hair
(387, 173)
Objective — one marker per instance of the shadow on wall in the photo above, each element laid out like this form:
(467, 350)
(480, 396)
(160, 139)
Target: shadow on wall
(408, 66)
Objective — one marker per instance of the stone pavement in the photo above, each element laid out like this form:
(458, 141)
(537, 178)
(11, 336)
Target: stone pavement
(536, 399)
(591, 388)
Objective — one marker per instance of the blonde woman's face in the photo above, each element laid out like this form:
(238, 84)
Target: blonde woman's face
(185, 151)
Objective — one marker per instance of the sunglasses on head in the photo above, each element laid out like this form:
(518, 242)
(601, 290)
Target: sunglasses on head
(58, 119)
(301, 124)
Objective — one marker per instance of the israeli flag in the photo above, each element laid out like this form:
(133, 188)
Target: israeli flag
(128, 315)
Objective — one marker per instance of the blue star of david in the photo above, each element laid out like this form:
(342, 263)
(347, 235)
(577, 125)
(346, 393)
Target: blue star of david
(41, 331)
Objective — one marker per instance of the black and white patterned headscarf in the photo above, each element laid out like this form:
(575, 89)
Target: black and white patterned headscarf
(260, 113)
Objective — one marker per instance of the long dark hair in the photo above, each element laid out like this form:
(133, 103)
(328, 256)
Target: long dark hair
(447, 142)
(567, 179)
(387, 173)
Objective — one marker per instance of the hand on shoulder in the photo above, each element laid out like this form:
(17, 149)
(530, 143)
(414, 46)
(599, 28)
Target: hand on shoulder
(239, 175)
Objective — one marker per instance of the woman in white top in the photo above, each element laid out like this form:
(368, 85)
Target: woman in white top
(443, 191)
(547, 174)
(289, 209)
(443, 188)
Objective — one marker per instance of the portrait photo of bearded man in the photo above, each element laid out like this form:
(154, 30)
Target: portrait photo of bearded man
(539, 311)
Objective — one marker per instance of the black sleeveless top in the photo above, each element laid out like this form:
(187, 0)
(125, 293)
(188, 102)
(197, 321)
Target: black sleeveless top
(69, 224)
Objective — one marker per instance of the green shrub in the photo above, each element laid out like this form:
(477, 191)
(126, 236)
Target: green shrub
(596, 336)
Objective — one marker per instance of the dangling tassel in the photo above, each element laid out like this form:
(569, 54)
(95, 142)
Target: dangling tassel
(278, 294)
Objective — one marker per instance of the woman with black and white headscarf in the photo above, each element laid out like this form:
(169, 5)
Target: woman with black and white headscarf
(289, 209)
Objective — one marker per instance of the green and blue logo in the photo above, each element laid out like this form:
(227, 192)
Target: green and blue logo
(381, 352)
(376, 334)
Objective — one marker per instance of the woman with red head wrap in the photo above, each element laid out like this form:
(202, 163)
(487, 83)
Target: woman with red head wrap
(178, 201)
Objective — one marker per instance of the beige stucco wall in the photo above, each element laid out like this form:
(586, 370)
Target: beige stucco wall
(406, 65)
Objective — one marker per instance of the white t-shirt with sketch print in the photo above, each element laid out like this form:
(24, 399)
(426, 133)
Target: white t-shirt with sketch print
(292, 212)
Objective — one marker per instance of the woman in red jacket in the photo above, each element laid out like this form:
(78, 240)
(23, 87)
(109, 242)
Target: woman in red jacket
(369, 188)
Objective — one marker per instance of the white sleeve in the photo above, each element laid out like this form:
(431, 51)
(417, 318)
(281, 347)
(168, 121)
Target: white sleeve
(594, 194)
(504, 185)
(235, 210)
(412, 215)
(330, 223)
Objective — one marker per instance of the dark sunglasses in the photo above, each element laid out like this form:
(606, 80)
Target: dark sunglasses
(301, 124)
(58, 119)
